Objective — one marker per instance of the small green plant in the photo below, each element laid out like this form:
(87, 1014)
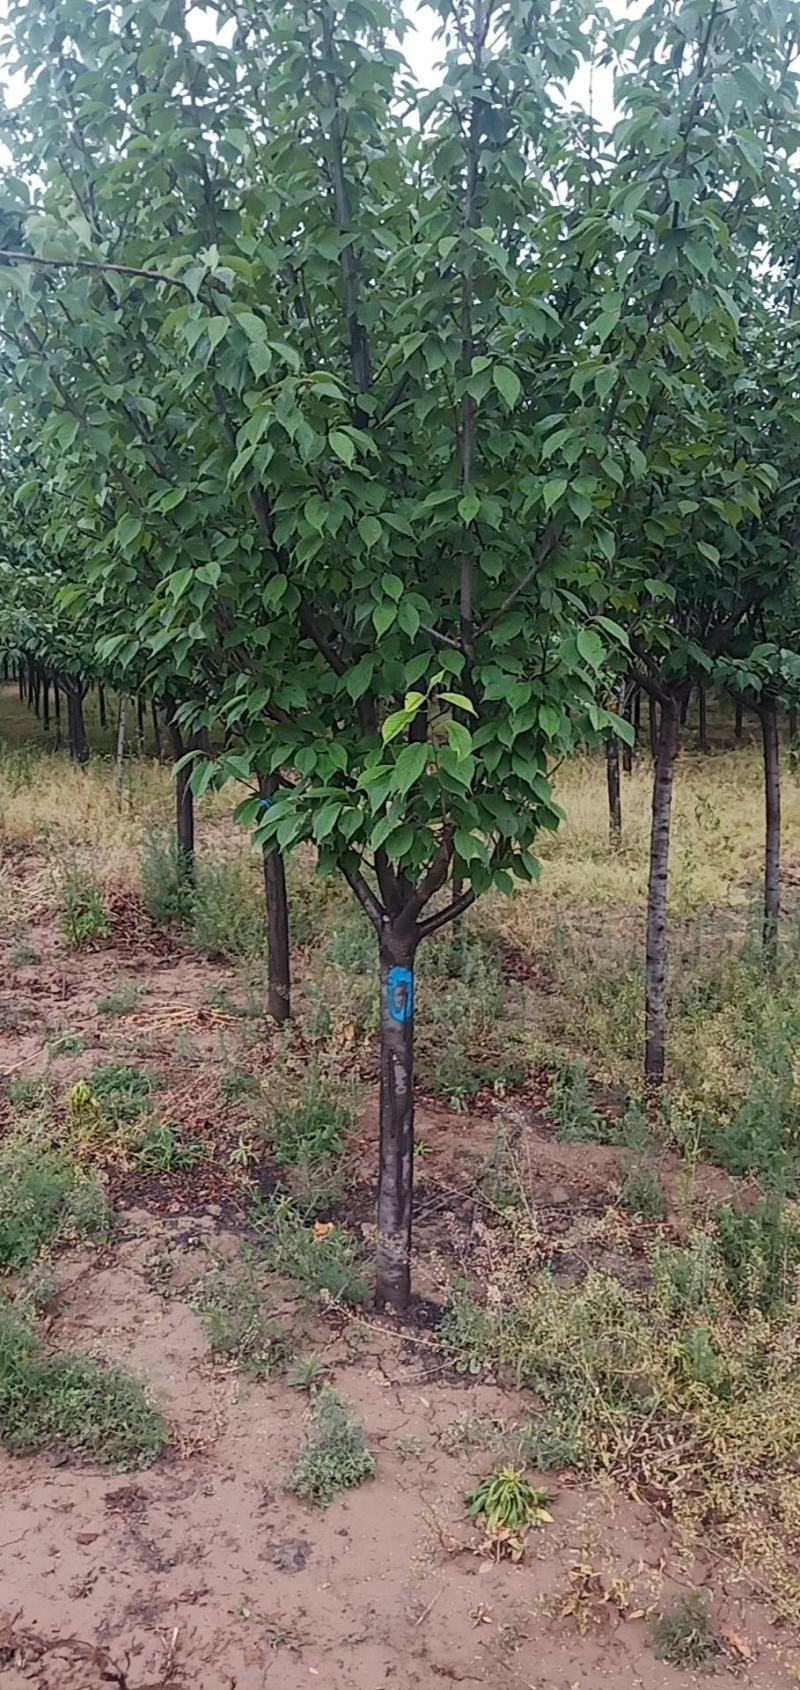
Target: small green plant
(70, 1400)
(45, 1201)
(238, 1083)
(162, 1150)
(84, 919)
(508, 1506)
(30, 1092)
(308, 1373)
(322, 1257)
(548, 1445)
(499, 1191)
(242, 1330)
(23, 955)
(227, 913)
(759, 1249)
(37, 1291)
(312, 1125)
(66, 1043)
(571, 1107)
(123, 1090)
(642, 1192)
(685, 1637)
(167, 891)
(122, 998)
(336, 1456)
(468, 1432)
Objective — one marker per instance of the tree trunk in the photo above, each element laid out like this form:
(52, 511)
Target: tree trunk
(156, 729)
(184, 804)
(45, 704)
(702, 718)
(37, 690)
(278, 964)
(627, 750)
(30, 684)
(396, 1171)
(614, 793)
(139, 725)
(793, 746)
(21, 683)
(57, 713)
(101, 706)
(772, 851)
(78, 744)
(737, 725)
(685, 708)
(119, 764)
(656, 945)
(5, 666)
(652, 717)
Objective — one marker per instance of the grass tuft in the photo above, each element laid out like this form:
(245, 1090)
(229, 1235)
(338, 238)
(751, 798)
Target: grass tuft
(336, 1456)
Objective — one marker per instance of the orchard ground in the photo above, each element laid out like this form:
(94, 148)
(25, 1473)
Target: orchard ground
(606, 1296)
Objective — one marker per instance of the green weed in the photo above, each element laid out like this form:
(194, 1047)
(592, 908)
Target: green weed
(167, 890)
(122, 999)
(324, 1258)
(571, 1107)
(508, 1506)
(308, 1373)
(84, 919)
(28, 1093)
(52, 1400)
(123, 1090)
(685, 1637)
(759, 1250)
(336, 1456)
(161, 1149)
(45, 1201)
(227, 910)
(642, 1192)
(242, 1330)
(66, 1043)
(311, 1124)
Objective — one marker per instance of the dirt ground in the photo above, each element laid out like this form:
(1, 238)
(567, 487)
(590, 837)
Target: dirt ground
(204, 1572)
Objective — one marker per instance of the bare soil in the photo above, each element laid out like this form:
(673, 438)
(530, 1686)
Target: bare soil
(204, 1572)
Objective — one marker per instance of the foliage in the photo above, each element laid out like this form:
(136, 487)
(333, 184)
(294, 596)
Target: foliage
(243, 1331)
(123, 1090)
(310, 1119)
(84, 920)
(323, 1257)
(66, 1043)
(227, 911)
(685, 1637)
(69, 1400)
(335, 1457)
(642, 1192)
(307, 1373)
(167, 892)
(122, 999)
(508, 1506)
(162, 1149)
(572, 1109)
(46, 1201)
(759, 1249)
(29, 1092)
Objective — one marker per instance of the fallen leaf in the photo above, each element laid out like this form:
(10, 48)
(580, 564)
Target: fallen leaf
(740, 1645)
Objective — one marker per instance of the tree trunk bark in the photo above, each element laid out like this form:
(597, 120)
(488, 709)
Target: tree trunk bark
(184, 804)
(614, 792)
(139, 725)
(78, 743)
(277, 907)
(119, 762)
(101, 706)
(737, 725)
(656, 944)
(793, 746)
(156, 729)
(45, 704)
(685, 708)
(37, 690)
(702, 718)
(652, 717)
(57, 713)
(627, 750)
(396, 1173)
(772, 850)
(21, 683)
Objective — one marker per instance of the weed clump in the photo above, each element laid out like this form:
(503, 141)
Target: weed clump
(167, 890)
(227, 912)
(122, 999)
(324, 1258)
(241, 1328)
(69, 1399)
(336, 1456)
(685, 1637)
(311, 1125)
(46, 1200)
(571, 1107)
(84, 919)
(508, 1507)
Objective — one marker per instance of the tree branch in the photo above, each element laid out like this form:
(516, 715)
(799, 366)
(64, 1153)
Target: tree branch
(366, 897)
(451, 912)
(95, 264)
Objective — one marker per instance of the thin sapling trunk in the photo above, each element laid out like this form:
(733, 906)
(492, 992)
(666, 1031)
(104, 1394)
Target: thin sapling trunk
(772, 847)
(656, 943)
(277, 912)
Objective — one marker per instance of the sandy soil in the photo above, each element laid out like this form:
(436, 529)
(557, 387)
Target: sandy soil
(204, 1572)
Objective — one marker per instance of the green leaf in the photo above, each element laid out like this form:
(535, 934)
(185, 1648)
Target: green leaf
(395, 724)
(370, 530)
(507, 383)
(554, 490)
(342, 445)
(410, 764)
(468, 507)
(459, 738)
(549, 721)
(217, 328)
(460, 701)
(591, 647)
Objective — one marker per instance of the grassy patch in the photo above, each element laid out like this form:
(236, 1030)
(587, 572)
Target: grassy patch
(228, 909)
(685, 1637)
(162, 1149)
(324, 1258)
(243, 1332)
(70, 1400)
(167, 891)
(46, 1201)
(122, 999)
(66, 1043)
(84, 919)
(335, 1457)
(124, 1090)
(311, 1117)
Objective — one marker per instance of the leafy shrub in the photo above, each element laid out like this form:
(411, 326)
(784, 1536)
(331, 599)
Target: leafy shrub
(162, 1150)
(761, 1137)
(548, 1444)
(45, 1199)
(167, 890)
(84, 919)
(336, 1456)
(241, 1328)
(122, 998)
(312, 1124)
(508, 1506)
(685, 1637)
(642, 1192)
(324, 1258)
(227, 910)
(70, 1399)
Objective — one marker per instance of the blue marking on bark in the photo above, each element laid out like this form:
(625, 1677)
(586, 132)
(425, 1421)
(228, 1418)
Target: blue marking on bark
(265, 803)
(400, 994)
